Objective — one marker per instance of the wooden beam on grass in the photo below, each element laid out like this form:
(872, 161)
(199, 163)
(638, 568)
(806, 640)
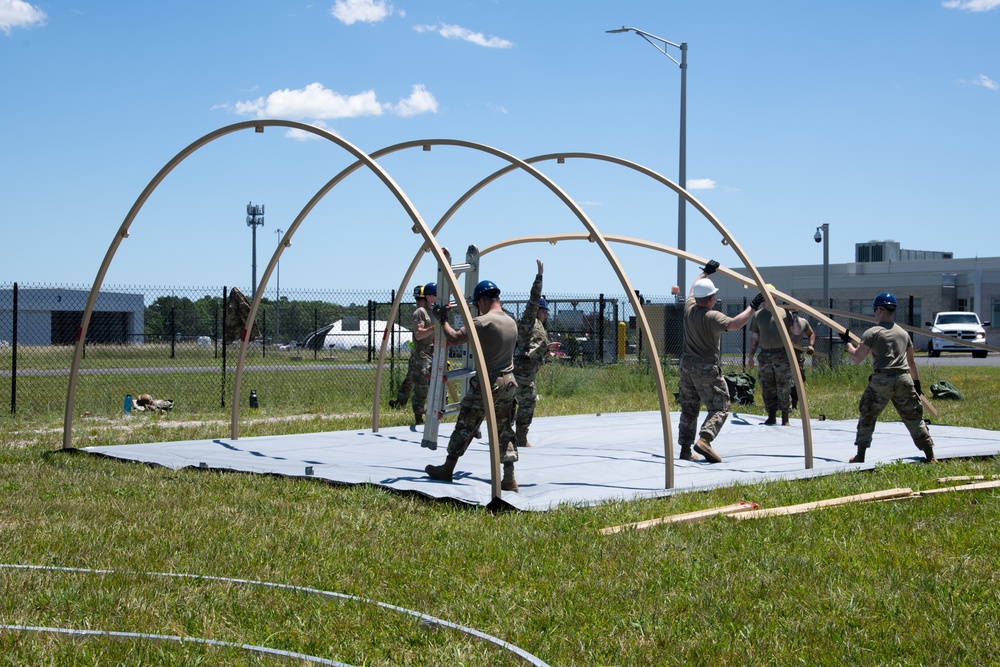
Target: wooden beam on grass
(994, 484)
(964, 478)
(688, 517)
(820, 504)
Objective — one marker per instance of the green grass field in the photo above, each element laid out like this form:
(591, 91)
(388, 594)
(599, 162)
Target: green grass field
(909, 582)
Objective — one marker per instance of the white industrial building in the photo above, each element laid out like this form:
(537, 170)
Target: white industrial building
(52, 316)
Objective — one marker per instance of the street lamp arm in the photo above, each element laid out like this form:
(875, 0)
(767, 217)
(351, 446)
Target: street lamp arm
(652, 39)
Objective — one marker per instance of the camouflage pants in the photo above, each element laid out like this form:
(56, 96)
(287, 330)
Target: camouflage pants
(473, 411)
(418, 380)
(885, 387)
(701, 383)
(775, 376)
(525, 398)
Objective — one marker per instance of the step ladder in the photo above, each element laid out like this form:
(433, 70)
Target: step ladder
(462, 367)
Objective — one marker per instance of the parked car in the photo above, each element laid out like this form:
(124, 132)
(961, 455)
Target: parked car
(960, 325)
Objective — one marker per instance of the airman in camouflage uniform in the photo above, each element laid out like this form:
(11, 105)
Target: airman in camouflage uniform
(701, 380)
(532, 351)
(775, 372)
(497, 333)
(894, 378)
(418, 376)
(804, 346)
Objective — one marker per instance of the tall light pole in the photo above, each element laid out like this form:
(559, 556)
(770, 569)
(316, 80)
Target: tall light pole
(255, 218)
(823, 234)
(277, 291)
(661, 45)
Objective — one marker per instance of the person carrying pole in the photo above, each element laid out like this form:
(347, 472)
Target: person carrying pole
(701, 380)
(894, 378)
(775, 372)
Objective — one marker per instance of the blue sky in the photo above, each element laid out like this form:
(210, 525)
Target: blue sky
(879, 118)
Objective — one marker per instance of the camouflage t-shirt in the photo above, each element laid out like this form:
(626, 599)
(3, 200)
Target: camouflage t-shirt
(889, 344)
(766, 325)
(498, 336)
(423, 348)
(703, 329)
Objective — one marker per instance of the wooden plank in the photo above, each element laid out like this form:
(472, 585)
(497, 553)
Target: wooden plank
(927, 405)
(964, 478)
(975, 486)
(820, 504)
(688, 517)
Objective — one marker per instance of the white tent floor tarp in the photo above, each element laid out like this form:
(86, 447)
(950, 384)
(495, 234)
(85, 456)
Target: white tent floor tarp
(577, 460)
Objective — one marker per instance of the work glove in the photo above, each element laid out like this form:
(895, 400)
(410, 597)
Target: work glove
(810, 350)
(710, 267)
(845, 336)
(442, 312)
(757, 300)
(916, 385)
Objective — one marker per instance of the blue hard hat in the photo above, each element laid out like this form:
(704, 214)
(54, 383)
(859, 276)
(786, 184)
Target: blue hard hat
(485, 288)
(430, 289)
(884, 300)
(543, 304)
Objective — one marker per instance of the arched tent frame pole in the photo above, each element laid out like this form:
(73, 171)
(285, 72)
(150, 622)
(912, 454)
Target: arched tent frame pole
(258, 126)
(739, 277)
(515, 163)
(727, 239)
(121, 235)
(594, 235)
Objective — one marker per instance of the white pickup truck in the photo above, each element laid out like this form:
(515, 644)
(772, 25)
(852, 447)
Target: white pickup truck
(961, 325)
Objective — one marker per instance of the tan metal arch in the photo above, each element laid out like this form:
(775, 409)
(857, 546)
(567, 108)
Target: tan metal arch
(614, 238)
(516, 163)
(258, 126)
(727, 238)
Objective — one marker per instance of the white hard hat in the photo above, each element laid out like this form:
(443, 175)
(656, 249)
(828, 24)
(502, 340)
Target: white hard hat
(704, 288)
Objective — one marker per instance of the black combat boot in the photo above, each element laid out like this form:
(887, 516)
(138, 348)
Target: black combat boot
(444, 472)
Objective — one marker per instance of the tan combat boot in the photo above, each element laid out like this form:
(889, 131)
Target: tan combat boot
(508, 483)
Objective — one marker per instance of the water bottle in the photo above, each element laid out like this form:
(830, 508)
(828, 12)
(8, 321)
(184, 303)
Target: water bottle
(253, 399)
(127, 406)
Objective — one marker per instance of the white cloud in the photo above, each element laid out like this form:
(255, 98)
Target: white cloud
(701, 184)
(497, 108)
(19, 14)
(986, 82)
(302, 135)
(420, 101)
(318, 103)
(366, 11)
(972, 5)
(449, 31)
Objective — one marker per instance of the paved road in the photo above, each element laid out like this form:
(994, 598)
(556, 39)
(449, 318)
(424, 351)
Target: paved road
(163, 370)
(958, 359)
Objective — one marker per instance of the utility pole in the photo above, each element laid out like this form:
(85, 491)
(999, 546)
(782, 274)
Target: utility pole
(255, 218)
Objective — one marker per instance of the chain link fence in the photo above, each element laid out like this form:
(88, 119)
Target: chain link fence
(316, 352)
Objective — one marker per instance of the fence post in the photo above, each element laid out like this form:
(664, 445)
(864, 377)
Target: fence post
(392, 353)
(225, 345)
(13, 356)
(600, 333)
(173, 331)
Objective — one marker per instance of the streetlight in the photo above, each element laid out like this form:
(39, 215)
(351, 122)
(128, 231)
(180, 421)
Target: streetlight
(277, 291)
(255, 218)
(682, 170)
